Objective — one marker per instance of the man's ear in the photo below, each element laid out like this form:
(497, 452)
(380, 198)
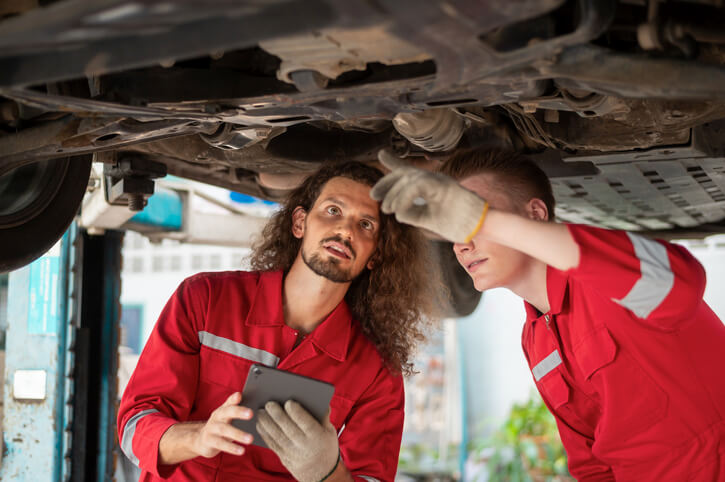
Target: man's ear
(298, 222)
(373, 261)
(537, 210)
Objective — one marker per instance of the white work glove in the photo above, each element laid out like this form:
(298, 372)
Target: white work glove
(307, 449)
(428, 200)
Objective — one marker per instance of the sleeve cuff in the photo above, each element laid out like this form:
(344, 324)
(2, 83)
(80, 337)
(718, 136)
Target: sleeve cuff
(146, 444)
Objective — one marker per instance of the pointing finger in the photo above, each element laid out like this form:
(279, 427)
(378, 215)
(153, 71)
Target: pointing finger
(381, 188)
(392, 195)
(400, 197)
(411, 196)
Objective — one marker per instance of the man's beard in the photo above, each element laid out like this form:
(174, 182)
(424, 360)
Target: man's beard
(328, 268)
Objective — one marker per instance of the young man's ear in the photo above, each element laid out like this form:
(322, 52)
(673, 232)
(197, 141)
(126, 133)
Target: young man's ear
(537, 210)
(298, 222)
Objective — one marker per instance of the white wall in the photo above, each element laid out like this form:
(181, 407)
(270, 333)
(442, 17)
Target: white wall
(151, 272)
(496, 372)
(711, 253)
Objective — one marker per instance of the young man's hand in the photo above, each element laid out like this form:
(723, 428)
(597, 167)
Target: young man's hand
(187, 440)
(428, 200)
(308, 449)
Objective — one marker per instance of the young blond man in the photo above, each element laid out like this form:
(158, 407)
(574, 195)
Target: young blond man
(624, 351)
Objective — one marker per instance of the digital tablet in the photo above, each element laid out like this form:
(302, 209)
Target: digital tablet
(266, 384)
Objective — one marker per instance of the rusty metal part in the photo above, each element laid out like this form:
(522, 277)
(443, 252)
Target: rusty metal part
(93, 108)
(529, 126)
(434, 130)
(74, 136)
(585, 104)
(602, 70)
(281, 182)
(300, 149)
(308, 80)
(648, 123)
(331, 52)
(9, 111)
(14, 7)
(452, 34)
(232, 137)
(699, 32)
(130, 181)
(653, 36)
(74, 38)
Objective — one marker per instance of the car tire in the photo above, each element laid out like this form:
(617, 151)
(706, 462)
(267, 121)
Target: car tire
(464, 298)
(38, 202)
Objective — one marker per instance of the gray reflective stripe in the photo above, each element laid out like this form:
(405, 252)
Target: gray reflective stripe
(128, 431)
(656, 281)
(368, 478)
(546, 365)
(237, 349)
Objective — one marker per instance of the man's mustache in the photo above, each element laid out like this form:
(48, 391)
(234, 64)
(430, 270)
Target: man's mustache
(344, 242)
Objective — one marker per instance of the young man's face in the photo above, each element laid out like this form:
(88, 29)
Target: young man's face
(490, 265)
(340, 232)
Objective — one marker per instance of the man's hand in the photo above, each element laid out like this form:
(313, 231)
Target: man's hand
(185, 441)
(308, 449)
(219, 435)
(428, 200)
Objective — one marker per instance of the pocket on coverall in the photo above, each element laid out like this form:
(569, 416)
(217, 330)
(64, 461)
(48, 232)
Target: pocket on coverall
(631, 401)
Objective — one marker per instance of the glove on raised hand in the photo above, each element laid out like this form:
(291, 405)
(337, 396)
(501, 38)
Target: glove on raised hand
(308, 449)
(428, 200)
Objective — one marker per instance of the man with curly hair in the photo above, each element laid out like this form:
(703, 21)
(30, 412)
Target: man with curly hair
(625, 352)
(340, 293)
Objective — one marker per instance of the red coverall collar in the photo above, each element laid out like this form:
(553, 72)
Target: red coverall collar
(332, 336)
(556, 284)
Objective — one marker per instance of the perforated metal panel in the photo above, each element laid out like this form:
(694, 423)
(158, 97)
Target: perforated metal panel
(645, 195)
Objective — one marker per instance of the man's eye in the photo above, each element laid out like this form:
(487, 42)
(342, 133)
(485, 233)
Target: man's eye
(334, 210)
(367, 225)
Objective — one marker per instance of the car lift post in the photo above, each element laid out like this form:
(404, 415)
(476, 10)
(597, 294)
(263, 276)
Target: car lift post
(61, 358)
(36, 362)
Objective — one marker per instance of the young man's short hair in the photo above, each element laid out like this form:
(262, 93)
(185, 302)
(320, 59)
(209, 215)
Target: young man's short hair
(516, 175)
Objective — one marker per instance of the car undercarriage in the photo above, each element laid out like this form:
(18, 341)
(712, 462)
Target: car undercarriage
(621, 103)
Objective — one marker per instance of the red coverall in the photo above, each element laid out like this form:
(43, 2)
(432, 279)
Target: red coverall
(211, 331)
(630, 361)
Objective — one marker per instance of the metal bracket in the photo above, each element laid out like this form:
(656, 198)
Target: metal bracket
(130, 181)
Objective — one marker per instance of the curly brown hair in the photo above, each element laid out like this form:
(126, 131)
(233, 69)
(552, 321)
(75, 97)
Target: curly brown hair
(396, 300)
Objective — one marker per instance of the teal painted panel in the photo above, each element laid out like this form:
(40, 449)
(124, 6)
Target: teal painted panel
(37, 307)
(164, 209)
(43, 308)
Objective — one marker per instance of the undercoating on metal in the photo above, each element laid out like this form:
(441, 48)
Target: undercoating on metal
(45, 44)
(300, 83)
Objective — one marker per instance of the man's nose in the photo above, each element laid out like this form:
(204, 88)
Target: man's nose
(345, 228)
(460, 248)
